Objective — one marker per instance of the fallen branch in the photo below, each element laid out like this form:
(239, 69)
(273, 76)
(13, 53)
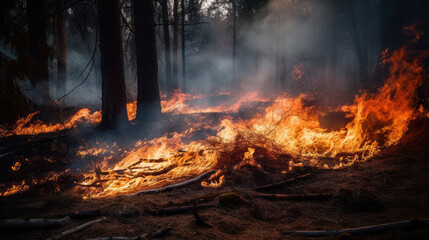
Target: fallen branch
(94, 184)
(33, 223)
(277, 184)
(179, 210)
(165, 170)
(163, 189)
(76, 229)
(154, 234)
(313, 196)
(365, 230)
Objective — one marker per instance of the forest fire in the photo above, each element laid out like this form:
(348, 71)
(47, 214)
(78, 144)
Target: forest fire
(214, 119)
(288, 126)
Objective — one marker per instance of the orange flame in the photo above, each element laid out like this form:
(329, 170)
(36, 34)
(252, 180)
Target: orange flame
(288, 126)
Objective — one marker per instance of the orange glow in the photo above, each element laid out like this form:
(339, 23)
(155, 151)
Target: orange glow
(24, 126)
(298, 72)
(288, 126)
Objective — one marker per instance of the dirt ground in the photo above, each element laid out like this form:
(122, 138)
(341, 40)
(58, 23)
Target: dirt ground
(396, 180)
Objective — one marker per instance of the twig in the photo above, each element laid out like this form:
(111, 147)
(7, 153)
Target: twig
(33, 223)
(365, 230)
(277, 184)
(312, 196)
(76, 229)
(163, 189)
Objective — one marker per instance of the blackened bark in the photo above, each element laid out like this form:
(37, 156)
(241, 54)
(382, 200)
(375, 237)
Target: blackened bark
(183, 46)
(333, 46)
(362, 59)
(175, 44)
(61, 50)
(393, 18)
(394, 15)
(234, 39)
(39, 75)
(112, 68)
(148, 100)
(164, 10)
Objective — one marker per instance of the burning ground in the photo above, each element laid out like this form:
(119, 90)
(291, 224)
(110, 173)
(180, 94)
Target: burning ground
(367, 166)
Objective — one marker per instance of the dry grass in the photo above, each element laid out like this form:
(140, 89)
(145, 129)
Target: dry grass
(398, 177)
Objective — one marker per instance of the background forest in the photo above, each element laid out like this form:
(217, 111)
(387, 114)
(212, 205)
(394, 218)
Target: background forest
(52, 53)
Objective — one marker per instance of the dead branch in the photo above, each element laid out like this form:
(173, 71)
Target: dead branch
(76, 229)
(312, 196)
(130, 169)
(94, 184)
(410, 224)
(179, 210)
(33, 223)
(165, 170)
(277, 184)
(166, 188)
(99, 213)
(154, 234)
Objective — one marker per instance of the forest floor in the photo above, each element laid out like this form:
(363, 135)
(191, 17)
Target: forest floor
(395, 182)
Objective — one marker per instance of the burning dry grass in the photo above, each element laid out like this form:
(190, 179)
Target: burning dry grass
(398, 177)
(287, 135)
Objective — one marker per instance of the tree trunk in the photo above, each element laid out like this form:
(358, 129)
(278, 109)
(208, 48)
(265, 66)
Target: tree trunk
(112, 67)
(148, 100)
(393, 18)
(332, 76)
(363, 62)
(234, 40)
(39, 75)
(167, 57)
(61, 50)
(175, 44)
(183, 46)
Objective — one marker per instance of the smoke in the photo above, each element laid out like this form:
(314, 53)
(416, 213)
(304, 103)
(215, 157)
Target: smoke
(271, 42)
(280, 36)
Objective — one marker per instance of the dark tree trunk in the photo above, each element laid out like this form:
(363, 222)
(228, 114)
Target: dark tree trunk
(234, 39)
(165, 22)
(183, 46)
(362, 59)
(39, 75)
(112, 68)
(148, 100)
(61, 50)
(175, 44)
(333, 46)
(393, 18)
(394, 15)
